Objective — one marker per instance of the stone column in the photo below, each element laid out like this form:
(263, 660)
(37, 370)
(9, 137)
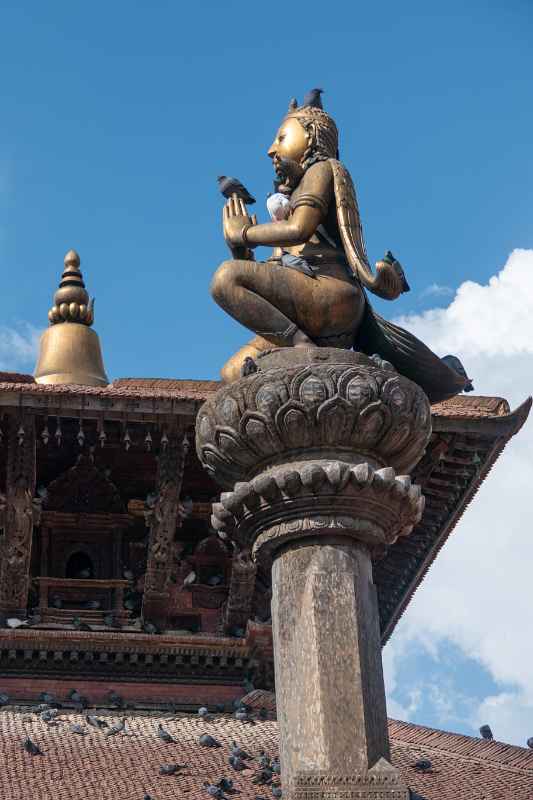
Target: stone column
(309, 448)
(163, 520)
(20, 514)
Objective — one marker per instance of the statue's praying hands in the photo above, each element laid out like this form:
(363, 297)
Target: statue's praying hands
(236, 221)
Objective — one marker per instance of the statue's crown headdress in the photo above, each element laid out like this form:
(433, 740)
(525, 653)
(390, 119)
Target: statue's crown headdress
(324, 142)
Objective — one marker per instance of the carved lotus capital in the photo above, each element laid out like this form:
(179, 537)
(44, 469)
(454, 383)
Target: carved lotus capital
(303, 499)
(316, 403)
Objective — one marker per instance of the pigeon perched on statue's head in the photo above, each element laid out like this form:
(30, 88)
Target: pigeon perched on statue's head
(312, 98)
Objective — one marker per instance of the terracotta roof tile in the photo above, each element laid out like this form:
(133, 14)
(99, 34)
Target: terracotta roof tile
(124, 766)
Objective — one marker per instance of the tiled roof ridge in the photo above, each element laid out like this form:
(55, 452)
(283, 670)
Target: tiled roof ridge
(500, 754)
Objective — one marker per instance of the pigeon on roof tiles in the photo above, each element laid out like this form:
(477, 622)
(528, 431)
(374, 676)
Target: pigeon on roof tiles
(118, 728)
(170, 769)
(486, 732)
(40, 708)
(164, 735)
(237, 763)
(264, 760)
(96, 722)
(276, 766)
(530, 742)
(214, 790)
(230, 186)
(49, 715)
(31, 748)
(243, 715)
(277, 791)
(423, 765)
(203, 712)
(147, 796)
(312, 98)
(79, 729)
(263, 777)
(238, 752)
(4, 699)
(206, 740)
(226, 784)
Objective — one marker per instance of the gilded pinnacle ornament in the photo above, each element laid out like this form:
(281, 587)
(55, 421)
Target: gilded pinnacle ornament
(70, 350)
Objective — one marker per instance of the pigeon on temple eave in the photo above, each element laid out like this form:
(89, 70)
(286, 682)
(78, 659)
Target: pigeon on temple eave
(48, 698)
(31, 748)
(170, 769)
(118, 728)
(115, 699)
(79, 625)
(79, 729)
(203, 712)
(238, 752)
(96, 722)
(164, 735)
(15, 622)
(455, 363)
(229, 186)
(149, 627)
(312, 99)
(486, 733)
(206, 740)
(423, 765)
(214, 790)
(49, 715)
(237, 763)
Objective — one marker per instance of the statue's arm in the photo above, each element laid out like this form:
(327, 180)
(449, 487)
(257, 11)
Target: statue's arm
(296, 230)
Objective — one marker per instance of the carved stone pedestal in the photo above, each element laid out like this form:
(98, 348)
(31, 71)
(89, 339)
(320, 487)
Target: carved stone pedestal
(309, 447)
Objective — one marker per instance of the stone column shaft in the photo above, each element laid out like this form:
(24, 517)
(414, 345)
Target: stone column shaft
(19, 515)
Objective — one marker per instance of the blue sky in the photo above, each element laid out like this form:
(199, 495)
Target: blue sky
(115, 120)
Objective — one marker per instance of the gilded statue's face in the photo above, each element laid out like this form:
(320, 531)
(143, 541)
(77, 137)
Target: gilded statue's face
(291, 141)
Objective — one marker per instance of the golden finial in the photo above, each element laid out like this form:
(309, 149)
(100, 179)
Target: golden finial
(69, 351)
(71, 301)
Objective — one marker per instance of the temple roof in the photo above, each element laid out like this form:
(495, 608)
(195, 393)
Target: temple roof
(125, 766)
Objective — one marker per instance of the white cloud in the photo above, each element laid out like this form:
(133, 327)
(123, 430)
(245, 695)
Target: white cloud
(476, 595)
(18, 347)
(436, 290)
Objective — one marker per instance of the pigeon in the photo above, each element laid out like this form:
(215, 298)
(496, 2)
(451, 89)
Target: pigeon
(214, 790)
(208, 741)
(57, 602)
(79, 625)
(79, 729)
(165, 735)
(423, 765)
(262, 713)
(147, 796)
(204, 713)
(149, 627)
(215, 580)
(118, 728)
(263, 777)
(83, 573)
(312, 98)
(530, 742)
(96, 722)
(278, 206)
(128, 575)
(188, 580)
(14, 622)
(486, 732)
(111, 622)
(49, 715)
(31, 748)
(115, 699)
(455, 363)
(220, 708)
(230, 186)
(4, 699)
(238, 752)
(47, 698)
(276, 767)
(242, 715)
(264, 760)
(78, 698)
(237, 763)
(40, 708)
(170, 769)
(226, 784)
(92, 605)
(276, 791)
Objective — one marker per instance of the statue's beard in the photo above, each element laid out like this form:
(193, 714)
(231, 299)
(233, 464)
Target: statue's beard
(289, 173)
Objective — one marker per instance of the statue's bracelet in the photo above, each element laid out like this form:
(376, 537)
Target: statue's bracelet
(244, 237)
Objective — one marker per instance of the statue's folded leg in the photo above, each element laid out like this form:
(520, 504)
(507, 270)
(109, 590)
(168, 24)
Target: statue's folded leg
(256, 295)
(409, 356)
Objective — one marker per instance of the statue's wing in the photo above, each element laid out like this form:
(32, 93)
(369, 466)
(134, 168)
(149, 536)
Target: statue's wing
(351, 232)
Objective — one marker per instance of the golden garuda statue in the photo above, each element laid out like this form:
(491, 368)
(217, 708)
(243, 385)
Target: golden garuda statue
(312, 291)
